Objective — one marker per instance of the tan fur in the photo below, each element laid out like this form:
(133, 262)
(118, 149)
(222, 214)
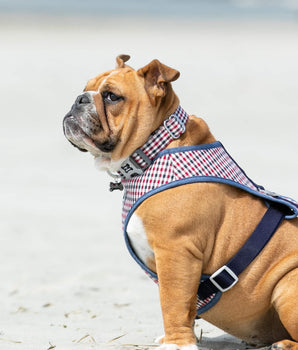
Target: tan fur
(197, 228)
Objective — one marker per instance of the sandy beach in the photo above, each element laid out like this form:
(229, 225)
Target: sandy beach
(67, 281)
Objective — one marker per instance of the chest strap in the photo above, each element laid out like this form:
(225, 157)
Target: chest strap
(227, 276)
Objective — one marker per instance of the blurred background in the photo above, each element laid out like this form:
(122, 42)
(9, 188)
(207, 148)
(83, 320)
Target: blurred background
(67, 279)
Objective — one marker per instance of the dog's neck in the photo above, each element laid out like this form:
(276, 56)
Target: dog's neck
(171, 129)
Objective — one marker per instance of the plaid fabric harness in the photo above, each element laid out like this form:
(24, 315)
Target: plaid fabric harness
(185, 165)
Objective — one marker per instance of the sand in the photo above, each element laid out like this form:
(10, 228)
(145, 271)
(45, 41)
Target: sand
(67, 281)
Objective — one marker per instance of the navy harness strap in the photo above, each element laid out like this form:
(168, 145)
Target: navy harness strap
(225, 277)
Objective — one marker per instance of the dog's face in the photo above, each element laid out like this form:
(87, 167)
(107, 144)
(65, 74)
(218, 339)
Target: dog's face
(118, 110)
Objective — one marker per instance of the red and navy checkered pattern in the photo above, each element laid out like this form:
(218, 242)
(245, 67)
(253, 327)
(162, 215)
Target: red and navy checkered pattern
(214, 161)
(161, 138)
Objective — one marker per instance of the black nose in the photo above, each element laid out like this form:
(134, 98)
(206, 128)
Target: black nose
(82, 100)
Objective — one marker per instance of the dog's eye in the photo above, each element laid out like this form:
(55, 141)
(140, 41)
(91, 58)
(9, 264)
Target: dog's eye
(110, 97)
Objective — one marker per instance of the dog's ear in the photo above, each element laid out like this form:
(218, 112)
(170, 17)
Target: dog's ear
(121, 59)
(157, 76)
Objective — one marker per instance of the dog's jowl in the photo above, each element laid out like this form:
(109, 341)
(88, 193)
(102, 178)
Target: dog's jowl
(217, 244)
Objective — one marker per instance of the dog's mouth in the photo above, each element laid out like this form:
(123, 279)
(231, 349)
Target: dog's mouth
(75, 134)
(87, 128)
(80, 134)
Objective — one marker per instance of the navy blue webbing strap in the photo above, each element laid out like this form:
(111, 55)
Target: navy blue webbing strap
(225, 277)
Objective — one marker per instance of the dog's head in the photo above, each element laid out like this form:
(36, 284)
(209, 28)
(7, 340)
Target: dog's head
(119, 109)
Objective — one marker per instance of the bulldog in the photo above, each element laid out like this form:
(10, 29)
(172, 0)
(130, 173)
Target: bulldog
(191, 216)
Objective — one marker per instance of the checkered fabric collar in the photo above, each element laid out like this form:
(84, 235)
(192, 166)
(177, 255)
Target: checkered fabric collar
(171, 129)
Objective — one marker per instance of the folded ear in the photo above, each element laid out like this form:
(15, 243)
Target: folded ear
(121, 59)
(157, 76)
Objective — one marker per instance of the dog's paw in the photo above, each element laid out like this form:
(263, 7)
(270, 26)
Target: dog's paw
(284, 345)
(176, 347)
(159, 340)
(276, 347)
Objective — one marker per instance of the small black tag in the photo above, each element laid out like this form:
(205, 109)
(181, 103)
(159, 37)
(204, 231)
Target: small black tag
(116, 186)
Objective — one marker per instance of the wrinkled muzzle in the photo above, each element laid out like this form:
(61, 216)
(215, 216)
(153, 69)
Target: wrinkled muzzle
(82, 124)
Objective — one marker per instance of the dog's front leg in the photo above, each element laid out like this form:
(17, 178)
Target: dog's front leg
(179, 271)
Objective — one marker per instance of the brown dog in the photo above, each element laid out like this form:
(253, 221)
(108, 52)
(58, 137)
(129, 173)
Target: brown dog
(194, 229)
